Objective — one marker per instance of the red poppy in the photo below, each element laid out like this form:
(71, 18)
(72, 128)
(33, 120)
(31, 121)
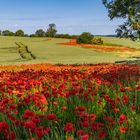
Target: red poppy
(3, 126)
(123, 129)
(30, 125)
(51, 117)
(64, 108)
(40, 132)
(10, 135)
(92, 117)
(102, 135)
(69, 127)
(80, 132)
(122, 118)
(133, 107)
(28, 114)
(85, 137)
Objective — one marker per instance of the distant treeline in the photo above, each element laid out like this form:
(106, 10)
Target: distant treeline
(37, 34)
(106, 35)
(50, 32)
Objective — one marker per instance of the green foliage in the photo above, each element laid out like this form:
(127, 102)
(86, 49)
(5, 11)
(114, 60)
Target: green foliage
(19, 33)
(97, 41)
(51, 31)
(130, 11)
(7, 33)
(85, 38)
(32, 35)
(66, 36)
(40, 33)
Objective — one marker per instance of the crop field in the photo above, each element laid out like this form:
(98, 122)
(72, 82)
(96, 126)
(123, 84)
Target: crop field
(124, 42)
(49, 51)
(50, 102)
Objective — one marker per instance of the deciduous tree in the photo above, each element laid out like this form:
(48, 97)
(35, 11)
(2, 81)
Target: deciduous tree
(128, 10)
(51, 31)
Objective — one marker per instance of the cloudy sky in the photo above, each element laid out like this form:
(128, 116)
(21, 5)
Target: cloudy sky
(70, 16)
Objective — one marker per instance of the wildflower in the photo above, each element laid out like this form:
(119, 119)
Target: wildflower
(133, 107)
(40, 132)
(123, 130)
(80, 132)
(28, 114)
(51, 117)
(64, 108)
(96, 125)
(30, 125)
(85, 137)
(55, 103)
(69, 127)
(122, 118)
(102, 135)
(10, 135)
(92, 117)
(3, 126)
(116, 110)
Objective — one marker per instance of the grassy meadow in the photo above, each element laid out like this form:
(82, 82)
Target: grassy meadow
(48, 51)
(122, 41)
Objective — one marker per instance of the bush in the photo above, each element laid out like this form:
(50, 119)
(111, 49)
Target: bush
(97, 41)
(32, 35)
(19, 33)
(85, 38)
(7, 33)
(67, 36)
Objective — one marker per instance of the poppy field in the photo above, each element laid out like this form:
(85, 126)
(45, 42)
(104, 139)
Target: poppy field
(70, 102)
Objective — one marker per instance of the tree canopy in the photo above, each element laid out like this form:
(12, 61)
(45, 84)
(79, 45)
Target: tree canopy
(19, 33)
(40, 33)
(7, 33)
(51, 31)
(85, 38)
(128, 10)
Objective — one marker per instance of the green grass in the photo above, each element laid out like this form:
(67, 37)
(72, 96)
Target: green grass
(122, 42)
(48, 51)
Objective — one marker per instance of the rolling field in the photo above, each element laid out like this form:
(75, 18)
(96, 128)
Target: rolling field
(48, 51)
(123, 42)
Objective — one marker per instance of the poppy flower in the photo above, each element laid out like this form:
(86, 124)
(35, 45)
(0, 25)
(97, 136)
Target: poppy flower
(3, 126)
(69, 127)
(30, 125)
(51, 117)
(122, 118)
(28, 114)
(102, 134)
(123, 129)
(85, 137)
(92, 117)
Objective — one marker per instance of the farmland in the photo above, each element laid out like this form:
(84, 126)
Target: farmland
(49, 51)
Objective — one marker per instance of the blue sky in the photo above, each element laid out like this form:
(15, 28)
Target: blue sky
(70, 16)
